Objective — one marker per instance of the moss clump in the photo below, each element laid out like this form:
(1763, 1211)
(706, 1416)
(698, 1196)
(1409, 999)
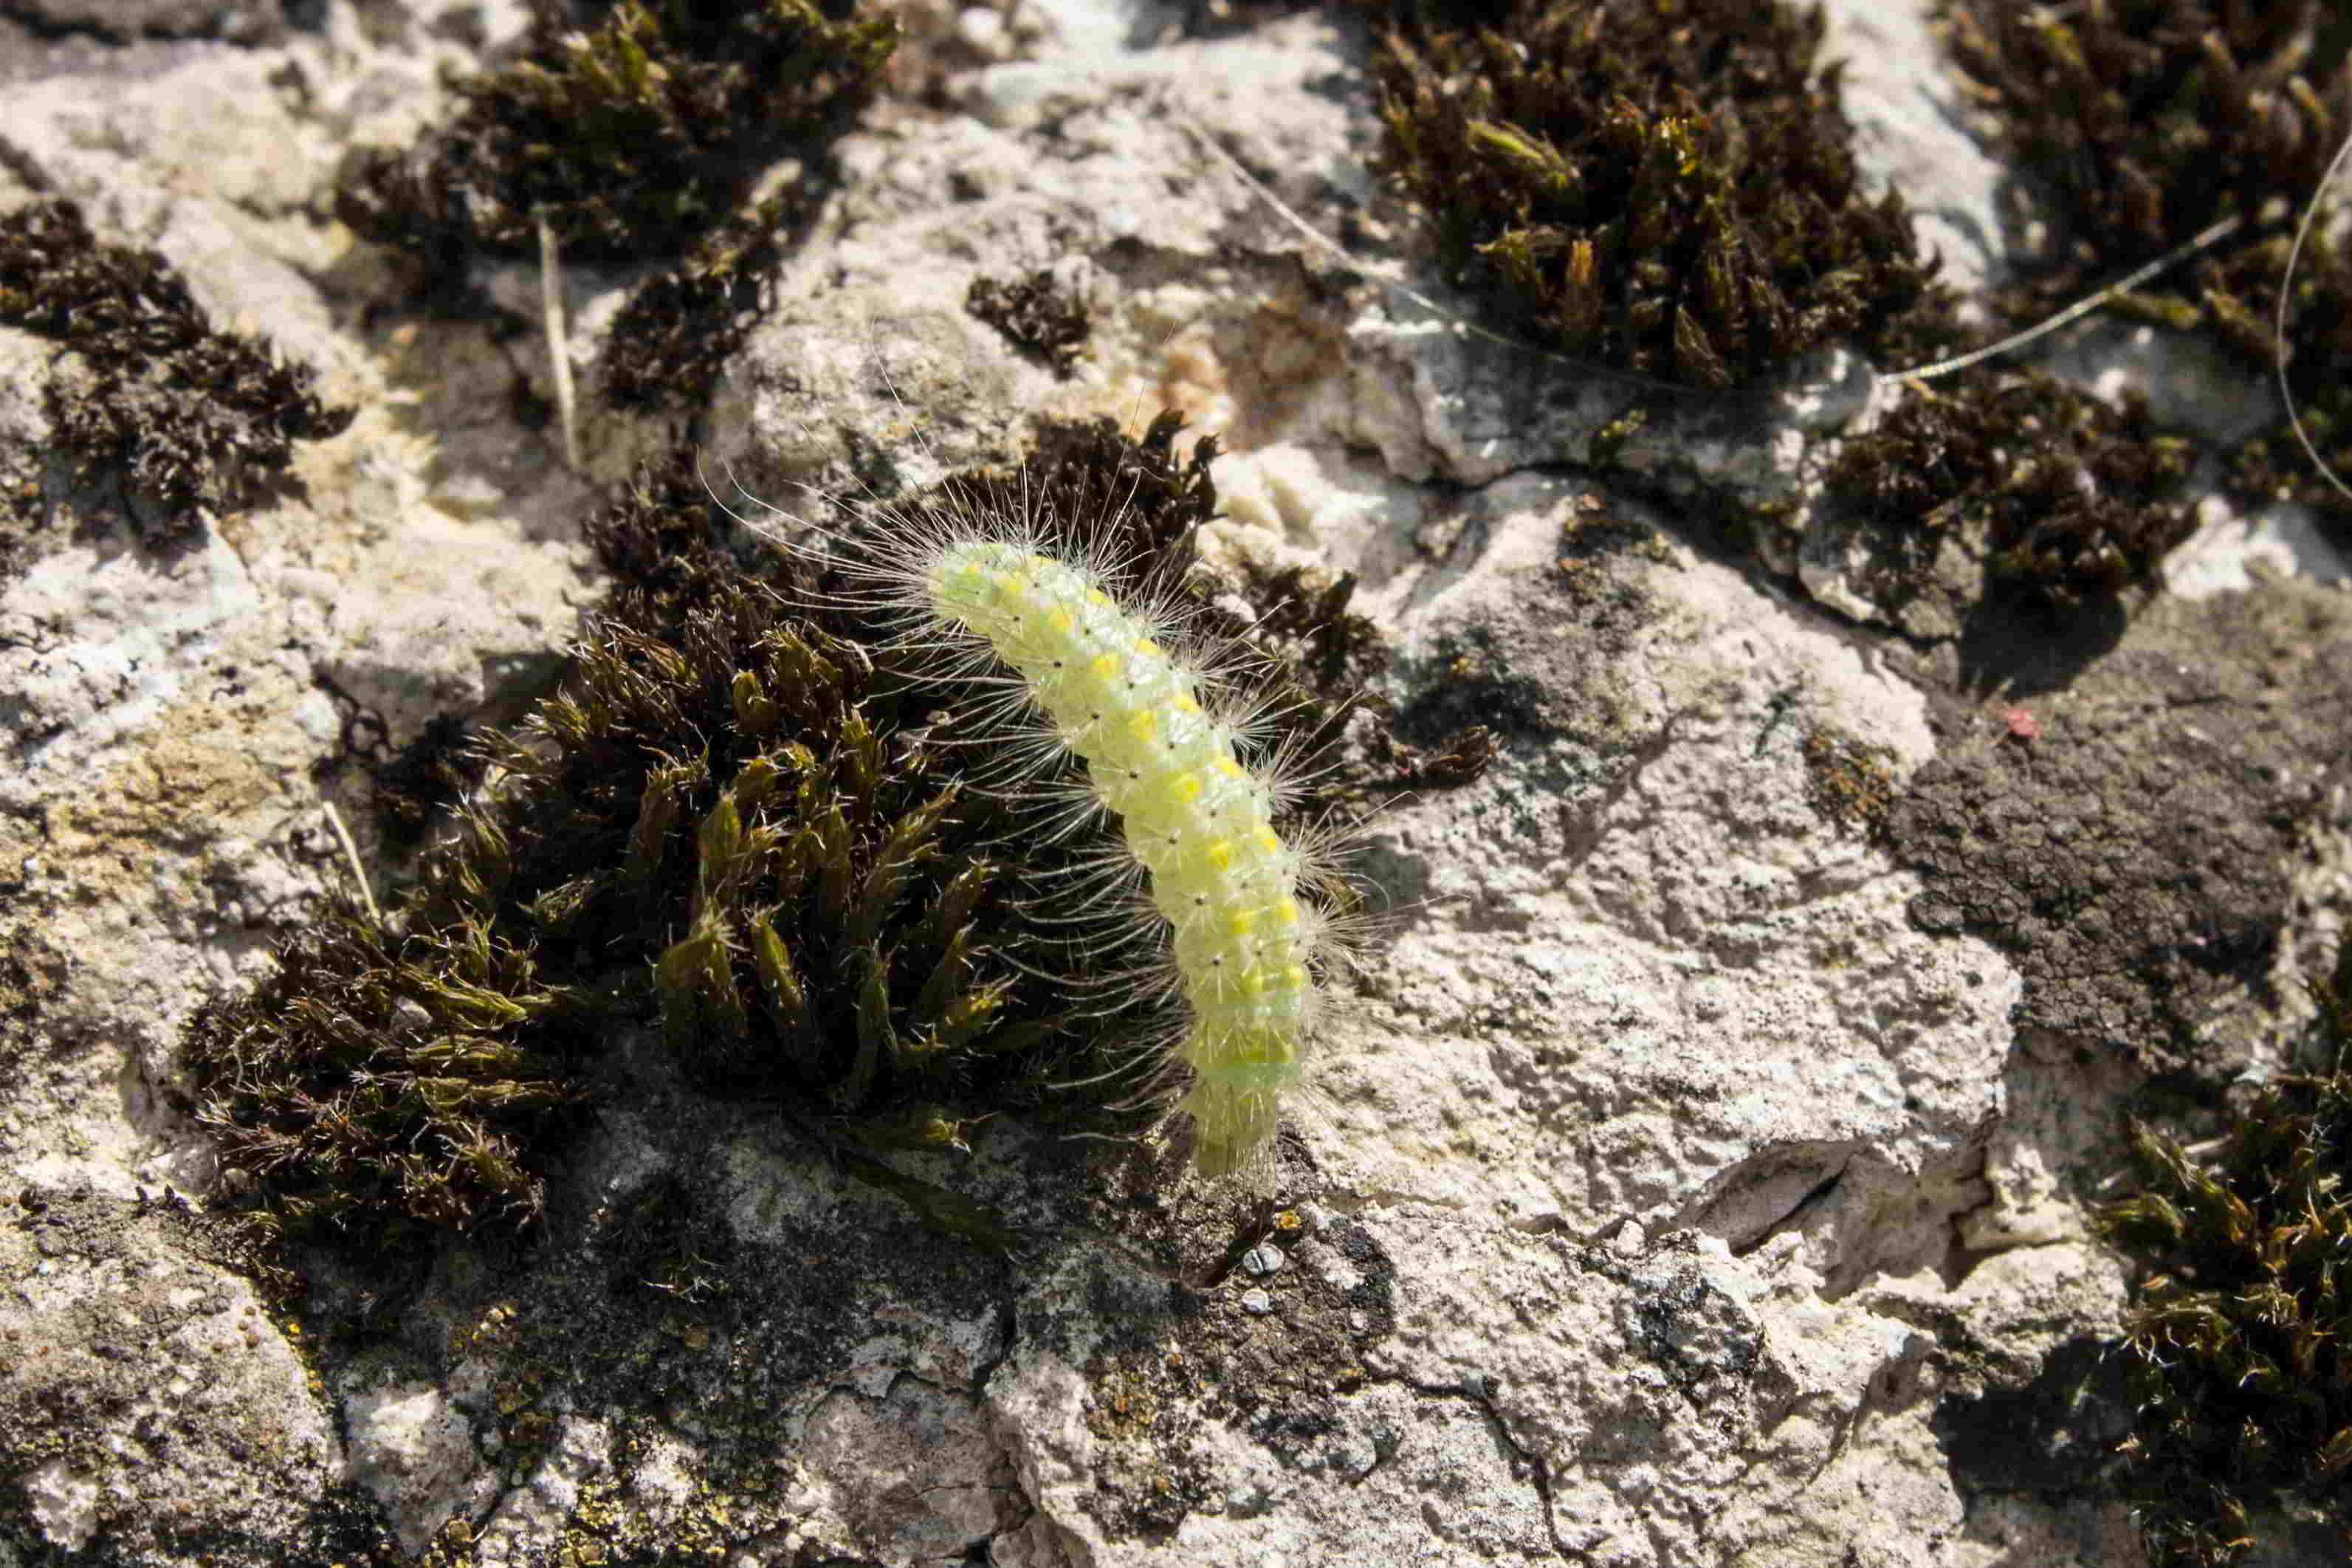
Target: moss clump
(381, 1084)
(1036, 313)
(194, 418)
(676, 330)
(416, 783)
(2070, 499)
(1668, 190)
(717, 826)
(630, 136)
(739, 803)
(2150, 119)
(2243, 1325)
(660, 544)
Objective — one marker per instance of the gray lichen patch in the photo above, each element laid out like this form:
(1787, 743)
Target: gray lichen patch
(151, 1399)
(2134, 859)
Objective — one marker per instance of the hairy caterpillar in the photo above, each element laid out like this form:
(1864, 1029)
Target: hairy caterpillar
(1112, 699)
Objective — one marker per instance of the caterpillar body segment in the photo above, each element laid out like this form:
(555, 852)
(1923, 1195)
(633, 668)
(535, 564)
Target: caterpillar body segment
(1192, 814)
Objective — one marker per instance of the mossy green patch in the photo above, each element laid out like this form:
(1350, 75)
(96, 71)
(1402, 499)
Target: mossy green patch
(2148, 121)
(2068, 499)
(2243, 1322)
(193, 420)
(1666, 190)
(631, 136)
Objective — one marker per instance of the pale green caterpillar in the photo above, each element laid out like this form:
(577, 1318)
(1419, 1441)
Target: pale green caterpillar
(1196, 820)
(1155, 709)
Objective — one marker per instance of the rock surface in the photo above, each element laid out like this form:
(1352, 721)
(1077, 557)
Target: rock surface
(1698, 1180)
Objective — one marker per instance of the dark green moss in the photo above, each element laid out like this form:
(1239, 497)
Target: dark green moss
(2150, 119)
(1036, 313)
(192, 419)
(2238, 294)
(1669, 191)
(2242, 1322)
(678, 328)
(2069, 500)
(633, 135)
(416, 783)
(377, 1086)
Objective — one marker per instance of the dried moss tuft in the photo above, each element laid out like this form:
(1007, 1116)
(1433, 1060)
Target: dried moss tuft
(2150, 119)
(2070, 499)
(633, 135)
(1037, 313)
(677, 329)
(194, 419)
(2241, 1326)
(1668, 190)
(379, 1086)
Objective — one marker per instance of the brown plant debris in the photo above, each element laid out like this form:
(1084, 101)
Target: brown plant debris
(1036, 313)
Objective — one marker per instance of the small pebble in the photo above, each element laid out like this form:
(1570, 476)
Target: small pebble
(1261, 1260)
(1257, 1303)
(981, 28)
